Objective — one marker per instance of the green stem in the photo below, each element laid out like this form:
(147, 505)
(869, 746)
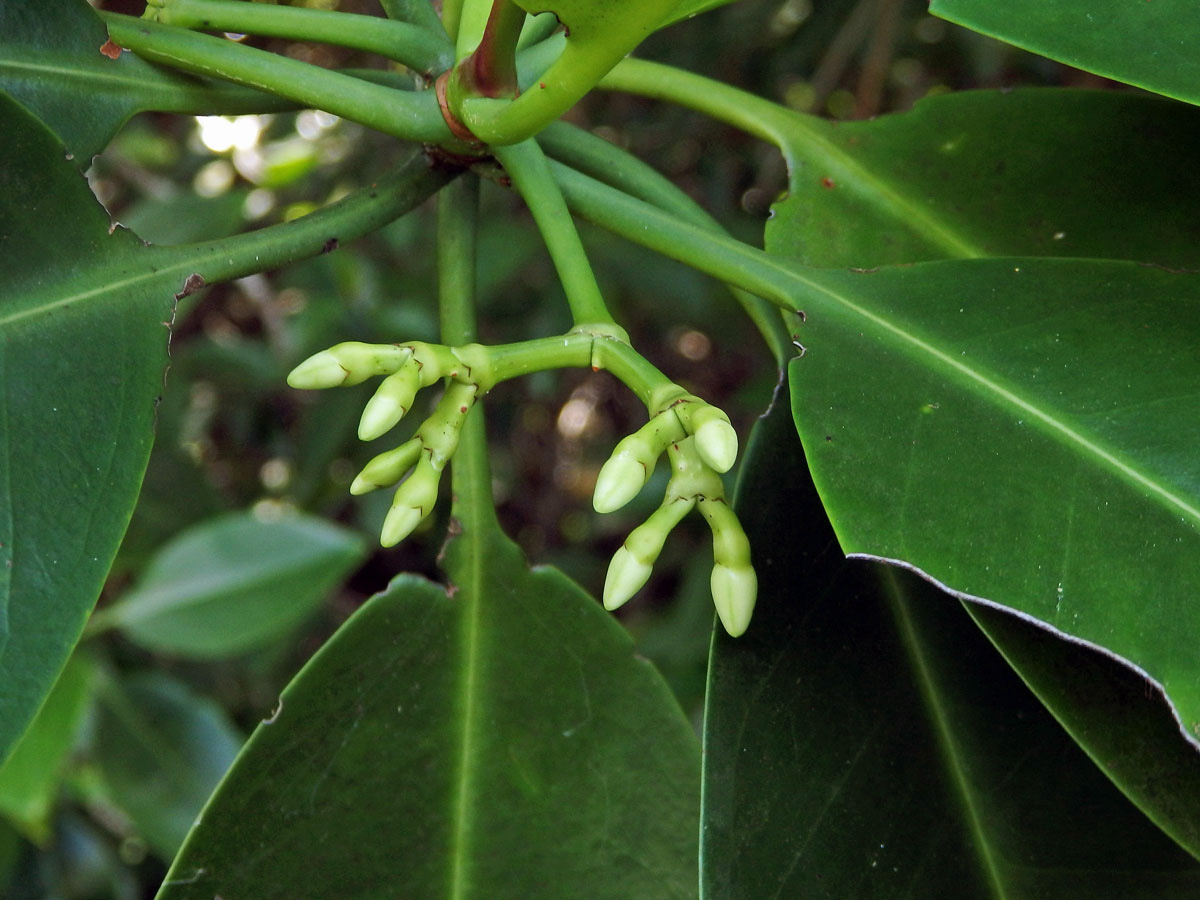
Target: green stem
(491, 68)
(457, 229)
(416, 12)
(473, 16)
(579, 350)
(408, 44)
(451, 17)
(799, 137)
(720, 256)
(410, 116)
(599, 159)
(456, 238)
(529, 170)
(360, 213)
(745, 111)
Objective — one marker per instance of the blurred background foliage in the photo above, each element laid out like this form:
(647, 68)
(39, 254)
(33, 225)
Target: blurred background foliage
(246, 551)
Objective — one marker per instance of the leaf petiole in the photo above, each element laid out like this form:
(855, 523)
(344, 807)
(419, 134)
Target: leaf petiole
(425, 51)
(413, 116)
(529, 170)
(599, 159)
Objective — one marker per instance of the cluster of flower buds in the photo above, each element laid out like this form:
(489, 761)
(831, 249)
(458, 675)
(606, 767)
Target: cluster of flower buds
(697, 437)
(700, 444)
(408, 367)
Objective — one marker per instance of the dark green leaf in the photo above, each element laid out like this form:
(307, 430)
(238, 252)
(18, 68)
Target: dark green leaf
(84, 318)
(29, 780)
(162, 750)
(1022, 173)
(234, 583)
(1021, 431)
(863, 740)
(1150, 43)
(82, 350)
(1114, 713)
(498, 739)
(50, 61)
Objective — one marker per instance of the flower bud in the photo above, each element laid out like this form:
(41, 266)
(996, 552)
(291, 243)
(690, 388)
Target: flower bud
(619, 481)
(391, 401)
(717, 444)
(626, 575)
(321, 370)
(348, 363)
(631, 564)
(414, 500)
(734, 591)
(386, 468)
(716, 441)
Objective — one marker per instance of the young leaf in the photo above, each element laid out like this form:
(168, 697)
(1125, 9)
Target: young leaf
(1150, 43)
(863, 740)
(444, 739)
(234, 583)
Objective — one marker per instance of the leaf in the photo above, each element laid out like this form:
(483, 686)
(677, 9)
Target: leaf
(29, 781)
(444, 740)
(1114, 714)
(863, 740)
(1150, 43)
(50, 61)
(234, 583)
(1035, 172)
(82, 351)
(1020, 431)
(84, 318)
(162, 750)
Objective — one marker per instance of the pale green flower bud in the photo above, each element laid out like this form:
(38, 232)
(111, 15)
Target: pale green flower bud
(734, 591)
(347, 364)
(631, 564)
(414, 500)
(321, 370)
(619, 481)
(734, 584)
(632, 462)
(626, 576)
(386, 468)
(391, 401)
(716, 441)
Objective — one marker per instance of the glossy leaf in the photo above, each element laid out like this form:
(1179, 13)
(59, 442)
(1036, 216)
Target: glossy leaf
(85, 310)
(502, 728)
(50, 61)
(1035, 172)
(162, 750)
(234, 583)
(1150, 43)
(82, 352)
(863, 740)
(1019, 431)
(29, 781)
(1114, 714)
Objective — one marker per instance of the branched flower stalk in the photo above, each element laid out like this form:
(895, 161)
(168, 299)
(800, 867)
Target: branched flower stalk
(476, 57)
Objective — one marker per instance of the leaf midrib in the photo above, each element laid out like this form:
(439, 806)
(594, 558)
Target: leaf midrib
(93, 76)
